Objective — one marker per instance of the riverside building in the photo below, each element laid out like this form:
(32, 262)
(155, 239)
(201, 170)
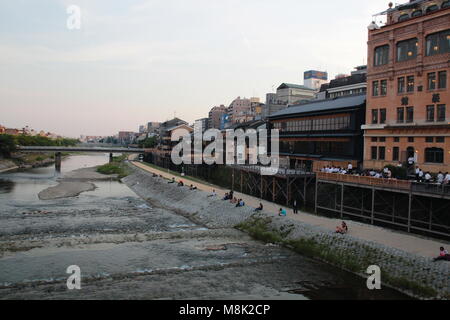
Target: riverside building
(408, 112)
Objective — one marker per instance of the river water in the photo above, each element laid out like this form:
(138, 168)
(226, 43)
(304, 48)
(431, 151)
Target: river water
(128, 249)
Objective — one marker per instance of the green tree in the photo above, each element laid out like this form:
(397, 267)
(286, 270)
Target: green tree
(7, 145)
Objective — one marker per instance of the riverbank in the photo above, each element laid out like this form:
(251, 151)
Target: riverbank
(7, 165)
(74, 183)
(414, 274)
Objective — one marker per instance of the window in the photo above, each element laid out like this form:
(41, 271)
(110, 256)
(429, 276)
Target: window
(441, 112)
(438, 43)
(383, 87)
(416, 13)
(395, 154)
(407, 50)
(430, 113)
(381, 153)
(382, 139)
(409, 114)
(442, 79)
(401, 85)
(400, 115)
(374, 116)
(410, 87)
(429, 139)
(432, 81)
(374, 139)
(440, 139)
(374, 153)
(403, 17)
(375, 88)
(382, 116)
(432, 8)
(381, 55)
(396, 139)
(410, 139)
(445, 4)
(434, 155)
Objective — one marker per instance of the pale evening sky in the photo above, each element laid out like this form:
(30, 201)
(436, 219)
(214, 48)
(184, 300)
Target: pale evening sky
(135, 61)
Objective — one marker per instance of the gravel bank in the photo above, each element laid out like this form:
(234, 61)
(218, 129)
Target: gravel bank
(74, 183)
(415, 275)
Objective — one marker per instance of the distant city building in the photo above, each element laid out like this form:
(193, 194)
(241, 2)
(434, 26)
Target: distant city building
(204, 122)
(153, 127)
(126, 137)
(356, 83)
(314, 79)
(290, 94)
(141, 129)
(165, 130)
(215, 116)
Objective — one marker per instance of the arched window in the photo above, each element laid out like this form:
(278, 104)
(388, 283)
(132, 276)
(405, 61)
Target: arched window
(403, 17)
(407, 49)
(381, 56)
(434, 155)
(438, 43)
(445, 4)
(432, 8)
(416, 13)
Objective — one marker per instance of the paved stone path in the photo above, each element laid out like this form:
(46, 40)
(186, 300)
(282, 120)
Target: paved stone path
(407, 242)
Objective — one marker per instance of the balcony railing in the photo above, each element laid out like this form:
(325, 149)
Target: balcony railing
(432, 188)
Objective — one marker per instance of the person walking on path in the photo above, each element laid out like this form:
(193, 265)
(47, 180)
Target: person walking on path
(295, 206)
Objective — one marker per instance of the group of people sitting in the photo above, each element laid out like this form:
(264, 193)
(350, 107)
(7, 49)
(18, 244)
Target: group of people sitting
(443, 255)
(441, 178)
(229, 196)
(385, 173)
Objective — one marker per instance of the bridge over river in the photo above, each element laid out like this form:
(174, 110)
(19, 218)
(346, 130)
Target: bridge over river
(59, 150)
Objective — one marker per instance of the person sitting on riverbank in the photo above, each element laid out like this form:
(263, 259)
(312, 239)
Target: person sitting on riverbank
(181, 183)
(240, 203)
(443, 255)
(213, 194)
(192, 187)
(260, 208)
(234, 200)
(172, 181)
(226, 197)
(343, 229)
(282, 212)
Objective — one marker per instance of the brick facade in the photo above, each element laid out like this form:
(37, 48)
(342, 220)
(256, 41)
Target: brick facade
(387, 128)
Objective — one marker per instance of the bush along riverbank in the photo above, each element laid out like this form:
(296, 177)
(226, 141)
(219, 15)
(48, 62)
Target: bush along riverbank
(117, 166)
(414, 275)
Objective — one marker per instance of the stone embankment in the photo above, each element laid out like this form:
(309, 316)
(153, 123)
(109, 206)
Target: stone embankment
(6, 165)
(415, 275)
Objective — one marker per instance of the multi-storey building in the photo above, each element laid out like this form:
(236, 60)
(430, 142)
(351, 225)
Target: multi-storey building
(321, 132)
(215, 116)
(356, 83)
(291, 94)
(315, 79)
(408, 112)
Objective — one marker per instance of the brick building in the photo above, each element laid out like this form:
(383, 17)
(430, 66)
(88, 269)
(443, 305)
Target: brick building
(408, 112)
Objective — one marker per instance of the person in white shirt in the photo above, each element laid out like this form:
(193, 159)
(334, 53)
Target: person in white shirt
(440, 178)
(350, 168)
(377, 175)
(447, 178)
(427, 177)
(420, 175)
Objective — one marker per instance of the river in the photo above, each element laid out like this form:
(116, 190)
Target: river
(128, 249)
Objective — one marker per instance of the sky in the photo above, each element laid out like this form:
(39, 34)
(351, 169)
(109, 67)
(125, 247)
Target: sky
(136, 61)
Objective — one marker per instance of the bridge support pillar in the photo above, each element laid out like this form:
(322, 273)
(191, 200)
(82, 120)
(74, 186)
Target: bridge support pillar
(58, 161)
(110, 157)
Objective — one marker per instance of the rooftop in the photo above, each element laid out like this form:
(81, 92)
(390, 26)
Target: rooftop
(321, 106)
(293, 86)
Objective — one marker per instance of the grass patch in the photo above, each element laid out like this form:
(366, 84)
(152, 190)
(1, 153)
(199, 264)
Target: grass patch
(116, 167)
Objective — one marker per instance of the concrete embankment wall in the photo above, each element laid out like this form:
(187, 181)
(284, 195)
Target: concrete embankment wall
(414, 275)
(6, 165)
